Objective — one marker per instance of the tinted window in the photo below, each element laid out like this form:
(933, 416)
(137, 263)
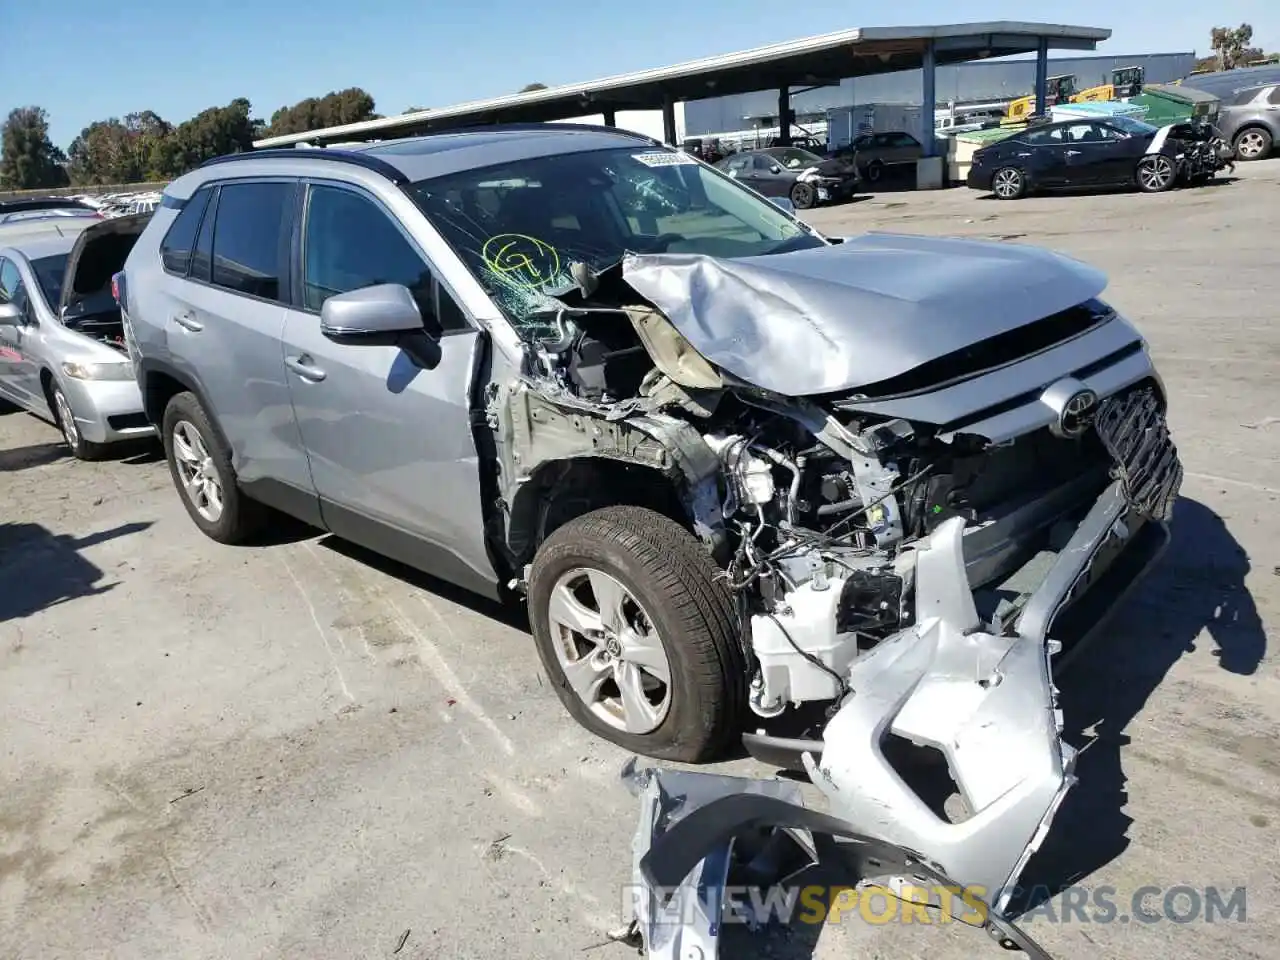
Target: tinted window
(351, 243)
(49, 272)
(247, 235)
(175, 250)
(202, 256)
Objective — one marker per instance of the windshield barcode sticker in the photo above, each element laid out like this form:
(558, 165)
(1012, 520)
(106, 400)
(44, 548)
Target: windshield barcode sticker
(663, 158)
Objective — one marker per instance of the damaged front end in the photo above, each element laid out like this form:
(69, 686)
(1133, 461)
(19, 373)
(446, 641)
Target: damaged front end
(911, 487)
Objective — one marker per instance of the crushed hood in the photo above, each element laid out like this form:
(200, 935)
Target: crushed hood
(834, 318)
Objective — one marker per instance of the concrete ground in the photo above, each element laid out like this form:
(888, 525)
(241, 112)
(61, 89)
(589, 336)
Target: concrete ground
(301, 751)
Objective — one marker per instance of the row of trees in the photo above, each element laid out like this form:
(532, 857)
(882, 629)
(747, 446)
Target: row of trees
(142, 147)
(1231, 49)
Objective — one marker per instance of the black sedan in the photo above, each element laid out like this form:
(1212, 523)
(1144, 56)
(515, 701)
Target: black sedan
(1107, 151)
(806, 178)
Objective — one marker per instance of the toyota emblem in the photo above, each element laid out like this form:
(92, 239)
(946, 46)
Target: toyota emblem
(1077, 413)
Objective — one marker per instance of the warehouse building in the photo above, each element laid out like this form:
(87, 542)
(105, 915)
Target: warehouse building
(973, 82)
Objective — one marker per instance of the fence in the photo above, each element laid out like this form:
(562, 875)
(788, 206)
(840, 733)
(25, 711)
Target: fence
(94, 190)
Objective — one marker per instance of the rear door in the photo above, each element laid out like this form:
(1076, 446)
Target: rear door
(390, 443)
(225, 295)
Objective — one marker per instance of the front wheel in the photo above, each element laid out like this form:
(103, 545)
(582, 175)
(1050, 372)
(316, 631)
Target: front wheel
(1008, 183)
(637, 634)
(80, 448)
(1156, 173)
(803, 196)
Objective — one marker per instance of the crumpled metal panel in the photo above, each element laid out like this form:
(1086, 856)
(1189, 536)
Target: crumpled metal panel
(833, 318)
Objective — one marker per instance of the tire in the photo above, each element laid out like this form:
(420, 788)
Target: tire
(670, 584)
(186, 429)
(875, 170)
(1155, 173)
(803, 196)
(1253, 143)
(63, 415)
(1009, 183)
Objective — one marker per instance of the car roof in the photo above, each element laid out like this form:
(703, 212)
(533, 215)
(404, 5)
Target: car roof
(44, 239)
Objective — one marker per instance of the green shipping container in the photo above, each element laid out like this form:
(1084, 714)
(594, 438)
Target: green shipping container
(1174, 104)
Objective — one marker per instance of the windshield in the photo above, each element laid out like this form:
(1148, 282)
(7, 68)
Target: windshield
(793, 158)
(49, 272)
(520, 226)
(1131, 126)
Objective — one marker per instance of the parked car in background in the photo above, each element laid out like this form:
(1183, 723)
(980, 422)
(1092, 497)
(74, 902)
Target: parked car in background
(1091, 153)
(1249, 120)
(62, 349)
(805, 178)
(877, 154)
(44, 215)
(42, 203)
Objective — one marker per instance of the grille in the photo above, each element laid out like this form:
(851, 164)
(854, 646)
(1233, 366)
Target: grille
(1135, 433)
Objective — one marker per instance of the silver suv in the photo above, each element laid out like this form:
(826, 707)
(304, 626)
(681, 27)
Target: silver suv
(733, 466)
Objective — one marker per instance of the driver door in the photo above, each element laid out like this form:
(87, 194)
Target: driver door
(389, 442)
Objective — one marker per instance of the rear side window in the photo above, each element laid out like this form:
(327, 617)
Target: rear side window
(175, 249)
(249, 251)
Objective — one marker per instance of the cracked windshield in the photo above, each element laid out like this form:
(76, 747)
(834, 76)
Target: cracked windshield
(519, 227)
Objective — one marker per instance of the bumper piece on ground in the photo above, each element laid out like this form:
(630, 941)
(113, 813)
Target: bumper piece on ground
(701, 835)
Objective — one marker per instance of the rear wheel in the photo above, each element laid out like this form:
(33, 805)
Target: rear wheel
(1156, 173)
(1008, 183)
(80, 448)
(636, 632)
(803, 196)
(1253, 143)
(200, 464)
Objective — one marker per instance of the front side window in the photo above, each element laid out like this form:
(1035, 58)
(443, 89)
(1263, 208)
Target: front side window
(350, 243)
(175, 249)
(248, 237)
(49, 272)
(519, 227)
(794, 159)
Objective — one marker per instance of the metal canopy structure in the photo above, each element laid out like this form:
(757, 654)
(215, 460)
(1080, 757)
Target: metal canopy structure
(819, 60)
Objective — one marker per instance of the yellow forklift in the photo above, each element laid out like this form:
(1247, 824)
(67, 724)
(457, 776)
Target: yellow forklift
(1057, 90)
(1125, 82)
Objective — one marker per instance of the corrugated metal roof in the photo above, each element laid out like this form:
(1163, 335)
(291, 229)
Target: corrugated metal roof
(860, 50)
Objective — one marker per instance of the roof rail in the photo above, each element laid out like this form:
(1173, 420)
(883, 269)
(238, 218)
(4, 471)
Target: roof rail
(352, 157)
(481, 127)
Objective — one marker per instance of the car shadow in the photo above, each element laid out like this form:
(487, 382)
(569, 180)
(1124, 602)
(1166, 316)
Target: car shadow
(40, 569)
(1198, 586)
(36, 455)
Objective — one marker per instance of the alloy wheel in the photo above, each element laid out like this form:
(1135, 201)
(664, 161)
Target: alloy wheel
(66, 420)
(200, 482)
(1250, 145)
(1007, 184)
(610, 651)
(1156, 173)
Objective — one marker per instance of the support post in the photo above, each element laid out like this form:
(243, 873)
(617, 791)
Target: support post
(928, 100)
(784, 115)
(1042, 76)
(669, 121)
(610, 117)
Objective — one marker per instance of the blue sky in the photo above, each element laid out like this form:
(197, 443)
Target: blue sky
(84, 61)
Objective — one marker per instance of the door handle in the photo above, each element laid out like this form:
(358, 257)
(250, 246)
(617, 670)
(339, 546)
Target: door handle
(303, 368)
(188, 321)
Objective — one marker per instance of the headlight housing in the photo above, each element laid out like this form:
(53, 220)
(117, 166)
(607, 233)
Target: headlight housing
(97, 370)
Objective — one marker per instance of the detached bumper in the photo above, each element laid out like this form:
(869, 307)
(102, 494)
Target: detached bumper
(107, 410)
(984, 701)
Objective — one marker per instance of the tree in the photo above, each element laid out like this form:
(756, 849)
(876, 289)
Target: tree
(416, 109)
(1231, 46)
(530, 87)
(28, 158)
(213, 132)
(315, 113)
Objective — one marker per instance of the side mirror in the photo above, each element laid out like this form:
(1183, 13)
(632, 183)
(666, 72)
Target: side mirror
(775, 169)
(381, 315)
(11, 315)
(784, 204)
